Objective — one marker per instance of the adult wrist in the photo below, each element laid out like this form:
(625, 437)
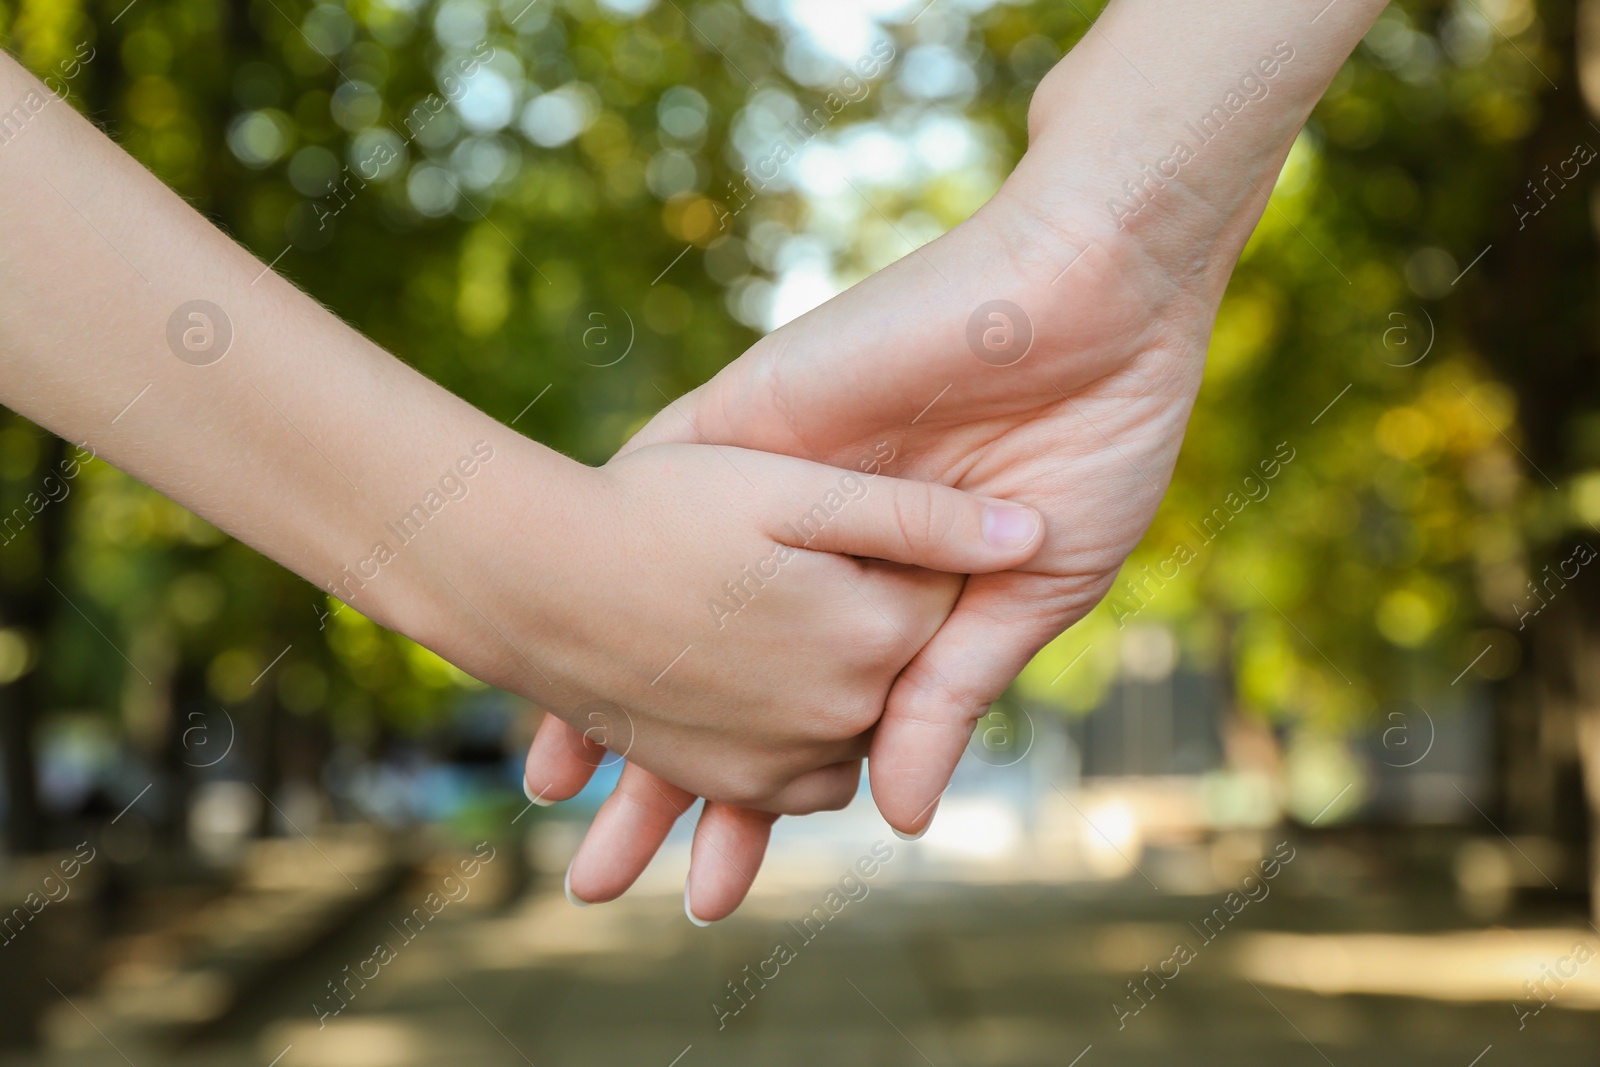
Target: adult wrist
(1168, 124)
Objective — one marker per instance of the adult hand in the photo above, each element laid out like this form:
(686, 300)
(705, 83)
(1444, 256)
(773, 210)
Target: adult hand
(1111, 250)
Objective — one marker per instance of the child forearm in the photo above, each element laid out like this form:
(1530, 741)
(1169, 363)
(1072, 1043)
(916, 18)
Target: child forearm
(132, 325)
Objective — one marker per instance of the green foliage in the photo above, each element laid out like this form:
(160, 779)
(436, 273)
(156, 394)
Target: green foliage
(480, 189)
(1381, 561)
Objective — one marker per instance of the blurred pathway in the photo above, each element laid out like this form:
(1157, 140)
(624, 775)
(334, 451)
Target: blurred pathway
(917, 975)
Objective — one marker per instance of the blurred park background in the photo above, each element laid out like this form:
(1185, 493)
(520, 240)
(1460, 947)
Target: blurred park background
(1353, 703)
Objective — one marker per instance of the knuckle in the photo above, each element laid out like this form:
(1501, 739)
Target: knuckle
(637, 806)
(915, 514)
(881, 644)
(845, 790)
(744, 790)
(837, 797)
(861, 717)
(835, 794)
(841, 721)
(922, 697)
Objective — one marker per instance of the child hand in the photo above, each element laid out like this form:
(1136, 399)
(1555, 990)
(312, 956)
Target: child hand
(706, 619)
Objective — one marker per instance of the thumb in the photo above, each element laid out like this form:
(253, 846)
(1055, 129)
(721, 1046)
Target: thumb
(920, 523)
(991, 635)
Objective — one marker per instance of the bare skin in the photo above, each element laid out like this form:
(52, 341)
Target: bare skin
(574, 587)
(1086, 426)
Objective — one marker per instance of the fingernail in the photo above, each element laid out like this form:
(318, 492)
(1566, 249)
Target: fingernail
(925, 826)
(572, 898)
(1006, 526)
(690, 911)
(537, 798)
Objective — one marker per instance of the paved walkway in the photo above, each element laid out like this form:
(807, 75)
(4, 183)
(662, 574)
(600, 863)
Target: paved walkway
(914, 974)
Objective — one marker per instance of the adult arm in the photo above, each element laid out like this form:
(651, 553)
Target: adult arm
(1153, 147)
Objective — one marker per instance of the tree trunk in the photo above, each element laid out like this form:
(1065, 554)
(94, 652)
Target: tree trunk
(23, 817)
(30, 605)
(1539, 333)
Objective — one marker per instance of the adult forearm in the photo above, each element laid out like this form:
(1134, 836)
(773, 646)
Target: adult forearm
(1168, 116)
(131, 324)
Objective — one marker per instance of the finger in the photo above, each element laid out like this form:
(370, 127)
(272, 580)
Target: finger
(624, 836)
(984, 644)
(729, 844)
(920, 523)
(830, 788)
(677, 423)
(913, 600)
(560, 762)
